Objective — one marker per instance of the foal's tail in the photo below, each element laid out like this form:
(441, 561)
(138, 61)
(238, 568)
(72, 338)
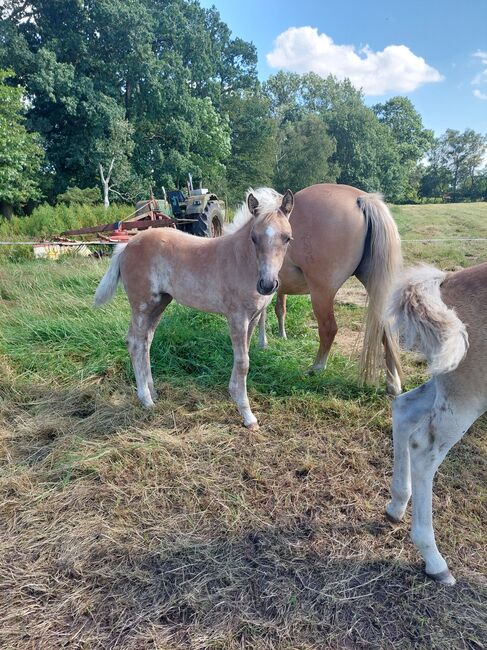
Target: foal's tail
(426, 324)
(109, 281)
(381, 261)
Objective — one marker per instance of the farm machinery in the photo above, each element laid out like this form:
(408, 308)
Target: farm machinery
(200, 213)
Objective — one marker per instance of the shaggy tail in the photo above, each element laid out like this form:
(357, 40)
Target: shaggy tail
(109, 281)
(382, 261)
(425, 323)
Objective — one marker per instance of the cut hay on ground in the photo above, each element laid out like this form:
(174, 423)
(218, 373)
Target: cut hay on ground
(180, 529)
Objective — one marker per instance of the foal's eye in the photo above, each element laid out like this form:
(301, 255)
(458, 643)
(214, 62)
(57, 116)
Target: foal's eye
(286, 239)
(253, 238)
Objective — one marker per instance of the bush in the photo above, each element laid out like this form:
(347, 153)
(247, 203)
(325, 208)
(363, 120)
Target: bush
(88, 196)
(49, 221)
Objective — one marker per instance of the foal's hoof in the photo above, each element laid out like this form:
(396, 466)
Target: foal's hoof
(443, 578)
(253, 426)
(392, 518)
(393, 390)
(395, 512)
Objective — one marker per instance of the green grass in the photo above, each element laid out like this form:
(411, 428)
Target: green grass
(444, 221)
(177, 528)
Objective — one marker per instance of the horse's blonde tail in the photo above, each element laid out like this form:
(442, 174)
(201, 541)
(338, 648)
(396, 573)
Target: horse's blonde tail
(381, 262)
(425, 323)
(109, 281)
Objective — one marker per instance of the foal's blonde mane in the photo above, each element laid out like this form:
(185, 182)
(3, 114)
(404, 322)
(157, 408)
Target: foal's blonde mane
(269, 201)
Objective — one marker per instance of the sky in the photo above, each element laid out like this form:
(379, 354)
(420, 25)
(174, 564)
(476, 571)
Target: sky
(434, 51)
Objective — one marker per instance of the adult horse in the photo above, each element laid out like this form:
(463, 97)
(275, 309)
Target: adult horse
(234, 275)
(339, 231)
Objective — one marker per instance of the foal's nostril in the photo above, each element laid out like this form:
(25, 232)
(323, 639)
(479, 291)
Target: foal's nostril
(266, 289)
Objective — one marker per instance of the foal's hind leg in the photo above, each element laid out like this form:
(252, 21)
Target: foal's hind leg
(145, 318)
(409, 411)
(427, 423)
(450, 418)
(327, 327)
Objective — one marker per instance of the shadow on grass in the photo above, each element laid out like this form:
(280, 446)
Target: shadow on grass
(267, 588)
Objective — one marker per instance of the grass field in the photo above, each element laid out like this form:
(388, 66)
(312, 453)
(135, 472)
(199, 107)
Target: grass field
(178, 528)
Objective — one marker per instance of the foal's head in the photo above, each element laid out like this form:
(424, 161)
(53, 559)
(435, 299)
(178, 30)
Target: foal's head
(270, 234)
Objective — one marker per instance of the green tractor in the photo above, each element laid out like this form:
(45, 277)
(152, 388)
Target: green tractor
(199, 213)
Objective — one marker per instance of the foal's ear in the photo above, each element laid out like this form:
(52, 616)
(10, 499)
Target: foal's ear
(287, 204)
(252, 204)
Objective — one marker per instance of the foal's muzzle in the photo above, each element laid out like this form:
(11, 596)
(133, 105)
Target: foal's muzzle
(266, 289)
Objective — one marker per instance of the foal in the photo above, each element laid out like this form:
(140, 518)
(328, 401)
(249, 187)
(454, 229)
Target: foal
(444, 316)
(234, 275)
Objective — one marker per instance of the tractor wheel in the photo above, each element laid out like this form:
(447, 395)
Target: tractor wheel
(210, 221)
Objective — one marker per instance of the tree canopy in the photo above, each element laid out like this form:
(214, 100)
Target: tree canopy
(163, 88)
(20, 151)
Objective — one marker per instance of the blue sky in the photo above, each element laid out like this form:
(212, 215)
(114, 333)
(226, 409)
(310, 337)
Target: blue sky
(441, 64)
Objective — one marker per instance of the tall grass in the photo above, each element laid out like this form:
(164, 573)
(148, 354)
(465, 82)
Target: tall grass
(50, 331)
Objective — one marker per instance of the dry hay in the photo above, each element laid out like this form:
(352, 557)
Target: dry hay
(180, 529)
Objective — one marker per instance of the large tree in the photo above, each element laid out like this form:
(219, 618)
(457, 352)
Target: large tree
(304, 155)
(253, 143)
(20, 151)
(162, 67)
(366, 153)
(411, 138)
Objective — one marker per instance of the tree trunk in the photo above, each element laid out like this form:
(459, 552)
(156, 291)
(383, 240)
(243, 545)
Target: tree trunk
(106, 183)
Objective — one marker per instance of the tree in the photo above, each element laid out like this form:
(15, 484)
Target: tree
(20, 151)
(366, 153)
(155, 71)
(304, 156)
(462, 154)
(411, 138)
(253, 143)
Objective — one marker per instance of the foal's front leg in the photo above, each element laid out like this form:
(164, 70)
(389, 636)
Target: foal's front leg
(238, 380)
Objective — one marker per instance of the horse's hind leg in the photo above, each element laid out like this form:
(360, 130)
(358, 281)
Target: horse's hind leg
(393, 379)
(262, 333)
(145, 318)
(281, 314)
(327, 327)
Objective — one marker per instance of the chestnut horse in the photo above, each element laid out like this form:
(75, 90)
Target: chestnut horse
(339, 231)
(234, 275)
(444, 316)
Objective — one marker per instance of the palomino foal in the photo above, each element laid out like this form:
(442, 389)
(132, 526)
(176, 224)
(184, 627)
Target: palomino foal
(444, 316)
(234, 275)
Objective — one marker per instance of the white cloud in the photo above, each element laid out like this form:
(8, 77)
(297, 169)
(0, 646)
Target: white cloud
(479, 94)
(480, 78)
(394, 69)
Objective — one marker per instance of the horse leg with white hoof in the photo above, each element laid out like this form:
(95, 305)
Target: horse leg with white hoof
(238, 381)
